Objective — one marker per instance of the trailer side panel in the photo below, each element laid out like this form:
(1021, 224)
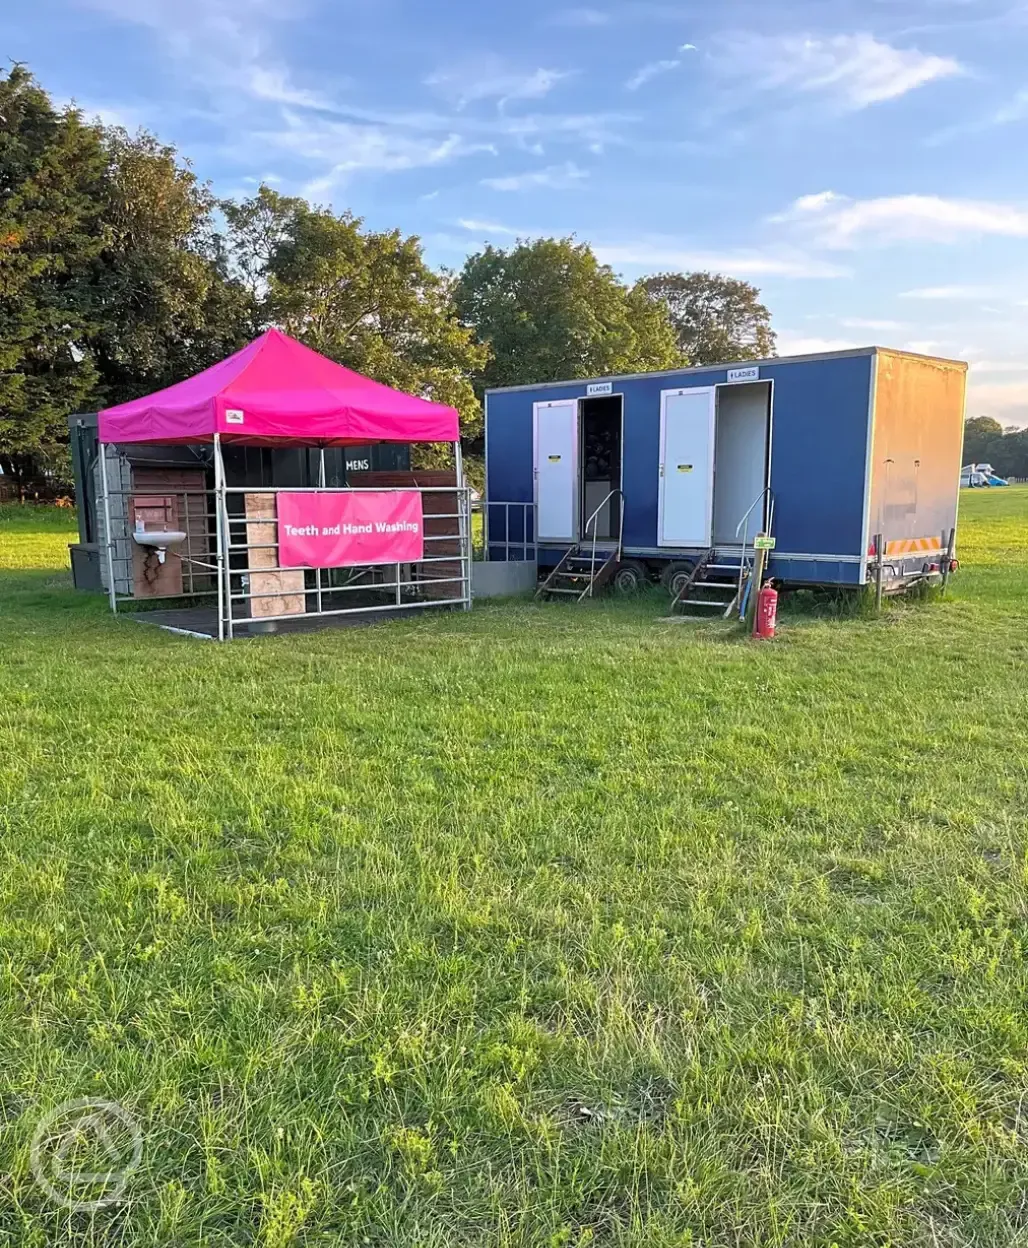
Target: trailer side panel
(818, 457)
(915, 454)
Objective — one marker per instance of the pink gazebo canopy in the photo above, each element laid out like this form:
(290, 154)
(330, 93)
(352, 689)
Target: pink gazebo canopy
(278, 391)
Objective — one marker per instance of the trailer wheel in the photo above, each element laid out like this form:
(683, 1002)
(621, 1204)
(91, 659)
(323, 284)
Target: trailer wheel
(630, 577)
(674, 577)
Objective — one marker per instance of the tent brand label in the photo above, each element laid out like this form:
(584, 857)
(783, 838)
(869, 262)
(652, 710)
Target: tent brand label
(233, 416)
(599, 387)
(744, 374)
(337, 529)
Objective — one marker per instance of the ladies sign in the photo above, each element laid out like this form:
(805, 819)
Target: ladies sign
(342, 529)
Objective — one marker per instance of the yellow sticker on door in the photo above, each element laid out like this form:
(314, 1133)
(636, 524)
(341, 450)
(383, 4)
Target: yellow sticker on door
(685, 467)
(554, 459)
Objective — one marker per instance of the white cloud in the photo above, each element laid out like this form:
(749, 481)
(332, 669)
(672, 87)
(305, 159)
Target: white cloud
(222, 44)
(493, 227)
(107, 114)
(856, 322)
(230, 51)
(647, 72)
(490, 79)
(593, 130)
(655, 254)
(799, 343)
(814, 203)
(1015, 109)
(949, 292)
(793, 342)
(556, 177)
(579, 18)
(346, 148)
(528, 131)
(265, 82)
(835, 221)
(855, 70)
(663, 254)
(999, 366)
(1007, 401)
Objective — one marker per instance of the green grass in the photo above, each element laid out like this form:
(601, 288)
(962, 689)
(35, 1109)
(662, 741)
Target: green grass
(531, 926)
(36, 537)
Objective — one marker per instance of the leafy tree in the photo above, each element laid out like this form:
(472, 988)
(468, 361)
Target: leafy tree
(167, 307)
(549, 310)
(1008, 453)
(113, 281)
(716, 319)
(987, 442)
(363, 298)
(979, 433)
(52, 172)
(257, 228)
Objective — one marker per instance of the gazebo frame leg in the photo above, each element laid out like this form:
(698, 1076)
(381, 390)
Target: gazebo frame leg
(464, 524)
(105, 495)
(221, 535)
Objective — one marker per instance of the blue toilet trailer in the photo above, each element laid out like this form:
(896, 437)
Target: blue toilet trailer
(663, 471)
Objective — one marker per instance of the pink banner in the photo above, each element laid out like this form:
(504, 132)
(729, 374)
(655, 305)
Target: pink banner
(335, 529)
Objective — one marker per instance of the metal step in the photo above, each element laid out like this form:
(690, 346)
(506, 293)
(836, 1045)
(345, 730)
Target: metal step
(702, 602)
(579, 574)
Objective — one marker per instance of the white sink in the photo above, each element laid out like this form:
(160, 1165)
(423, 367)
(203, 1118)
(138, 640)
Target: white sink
(158, 540)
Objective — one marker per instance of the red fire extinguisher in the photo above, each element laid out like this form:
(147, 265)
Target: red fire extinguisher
(767, 613)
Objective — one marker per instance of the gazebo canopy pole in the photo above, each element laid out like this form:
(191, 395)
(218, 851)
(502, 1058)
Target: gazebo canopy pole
(105, 495)
(219, 534)
(317, 571)
(464, 512)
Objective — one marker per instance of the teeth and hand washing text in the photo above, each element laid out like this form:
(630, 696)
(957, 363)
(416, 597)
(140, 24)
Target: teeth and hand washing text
(335, 529)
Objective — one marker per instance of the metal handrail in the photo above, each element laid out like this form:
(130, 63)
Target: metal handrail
(490, 539)
(767, 493)
(621, 533)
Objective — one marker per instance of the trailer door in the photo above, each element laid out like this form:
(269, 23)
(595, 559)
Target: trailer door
(556, 470)
(687, 423)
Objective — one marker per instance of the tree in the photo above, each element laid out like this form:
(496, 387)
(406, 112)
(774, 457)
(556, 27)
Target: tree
(1007, 453)
(52, 171)
(716, 319)
(979, 432)
(549, 310)
(113, 280)
(363, 298)
(167, 307)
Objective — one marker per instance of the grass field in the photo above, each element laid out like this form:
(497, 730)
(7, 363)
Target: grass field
(532, 926)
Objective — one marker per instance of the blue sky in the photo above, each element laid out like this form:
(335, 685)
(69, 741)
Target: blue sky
(863, 163)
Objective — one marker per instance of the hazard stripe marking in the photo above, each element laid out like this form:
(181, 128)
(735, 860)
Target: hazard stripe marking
(913, 546)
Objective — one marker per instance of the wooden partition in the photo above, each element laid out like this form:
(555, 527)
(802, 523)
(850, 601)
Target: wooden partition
(264, 535)
(169, 498)
(441, 521)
